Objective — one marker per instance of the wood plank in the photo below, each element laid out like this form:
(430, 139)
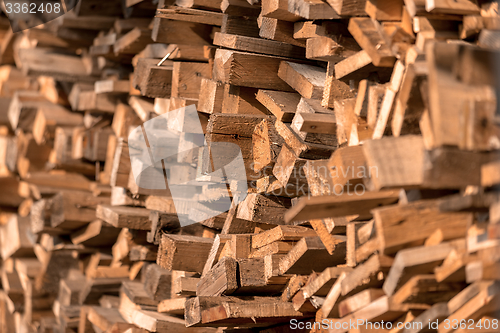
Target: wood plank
(186, 78)
(262, 209)
(359, 300)
(177, 32)
(125, 217)
(258, 45)
(190, 15)
(220, 280)
(174, 249)
(312, 9)
(278, 30)
(421, 259)
(371, 38)
(248, 70)
(335, 205)
(281, 104)
(461, 7)
(308, 81)
(278, 9)
(349, 7)
(309, 254)
(409, 171)
(281, 233)
(232, 312)
(318, 286)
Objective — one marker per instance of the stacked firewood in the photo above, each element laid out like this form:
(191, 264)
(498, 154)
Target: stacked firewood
(370, 138)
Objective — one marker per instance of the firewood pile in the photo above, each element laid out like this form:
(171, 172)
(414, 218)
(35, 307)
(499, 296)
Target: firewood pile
(369, 135)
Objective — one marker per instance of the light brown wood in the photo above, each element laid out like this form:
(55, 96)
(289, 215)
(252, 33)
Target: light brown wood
(370, 37)
(281, 104)
(125, 217)
(249, 70)
(172, 252)
(335, 205)
(258, 45)
(300, 258)
(219, 280)
(307, 80)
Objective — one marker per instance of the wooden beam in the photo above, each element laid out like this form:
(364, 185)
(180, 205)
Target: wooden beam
(125, 217)
(423, 259)
(258, 45)
(281, 104)
(208, 311)
(300, 259)
(174, 249)
(191, 15)
(308, 81)
(371, 38)
(278, 9)
(248, 70)
(278, 30)
(220, 280)
(348, 7)
(312, 9)
(177, 32)
(152, 80)
(338, 205)
(410, 163)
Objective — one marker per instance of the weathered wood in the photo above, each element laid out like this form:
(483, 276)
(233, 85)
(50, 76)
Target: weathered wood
(279, 10)
(74, 209)
(125, 217)
(258, 45)
(334, 90)
(349, 7)
(444, 89)
(191, 15)
(258, 208)
(173, 250)
(300, 258)
(16, 237)
(371, 38)
(240, 25)
(208, 311)
(328, 49)
(211, 96)
(318, 286)
(248, 70)
(186, 78)
(335, 205)
(174, 32)
(152, 80)
(281, 233)
(312, 9)
(281, 104)
(307, 80)
(278, 30)
(423, 259)
(96, 233)
(220, 280)
(410, 163)
(423, 228)
(157, 282)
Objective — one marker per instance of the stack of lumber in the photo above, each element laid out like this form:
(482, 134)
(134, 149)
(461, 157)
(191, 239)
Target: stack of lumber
(370, 135)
